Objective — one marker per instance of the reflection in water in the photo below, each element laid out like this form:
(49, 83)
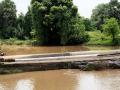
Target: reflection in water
(1, 87)
(24, 85)
(62, 80)
(87, 81)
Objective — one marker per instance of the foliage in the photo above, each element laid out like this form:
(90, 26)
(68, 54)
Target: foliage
(19, 32)
(114, 9)
(24, 26)
(100, 13)
(7, 18)
(89, 26)
(95, 38)
(57, 22)
(28, 24)
(111, 27)
(106, 11)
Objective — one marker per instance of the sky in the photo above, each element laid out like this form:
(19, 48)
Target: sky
(84, 6)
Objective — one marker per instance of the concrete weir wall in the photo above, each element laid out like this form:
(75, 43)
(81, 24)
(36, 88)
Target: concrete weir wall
(74, 60)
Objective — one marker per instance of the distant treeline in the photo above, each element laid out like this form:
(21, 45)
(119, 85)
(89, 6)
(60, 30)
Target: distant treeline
(57, 22)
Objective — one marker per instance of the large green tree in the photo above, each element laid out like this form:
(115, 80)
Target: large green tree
(106, 11)
(57, 22)
(100, 13)
(111, 27)
(7, 18)
(114, 9)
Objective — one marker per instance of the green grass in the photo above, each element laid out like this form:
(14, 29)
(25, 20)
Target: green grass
(98, 38)
(14, 41)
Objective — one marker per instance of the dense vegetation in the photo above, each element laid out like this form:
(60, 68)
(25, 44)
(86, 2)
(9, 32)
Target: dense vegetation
(12, 26)
(106, 18)
(57, 22)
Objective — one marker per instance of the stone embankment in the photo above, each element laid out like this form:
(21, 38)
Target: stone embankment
(86, 60)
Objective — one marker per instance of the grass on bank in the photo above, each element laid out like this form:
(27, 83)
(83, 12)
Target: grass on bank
(14, 41)
(98, 38)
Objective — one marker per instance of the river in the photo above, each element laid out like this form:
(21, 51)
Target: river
(59, 79)
(62, 80)
(21, 50)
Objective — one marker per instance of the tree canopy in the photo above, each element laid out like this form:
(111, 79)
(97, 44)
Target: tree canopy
(111, 27)
(57, 22)
(7, 18)
(106, 11)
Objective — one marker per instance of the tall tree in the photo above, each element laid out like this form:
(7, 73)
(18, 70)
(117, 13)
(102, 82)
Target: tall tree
(100, 13)
(28, 24)
(7, 18)
(55, 21)
(114, 9)
(20, 32)
(106, 11)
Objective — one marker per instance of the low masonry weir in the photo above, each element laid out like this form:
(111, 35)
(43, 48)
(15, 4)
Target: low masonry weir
(84, 60)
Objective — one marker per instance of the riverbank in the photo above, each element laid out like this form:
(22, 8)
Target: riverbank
(14, 41)
(96, 38)
(86, 61)
(81, 65)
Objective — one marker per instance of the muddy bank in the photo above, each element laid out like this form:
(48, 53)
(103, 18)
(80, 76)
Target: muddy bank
(86, 61)
(81, 65)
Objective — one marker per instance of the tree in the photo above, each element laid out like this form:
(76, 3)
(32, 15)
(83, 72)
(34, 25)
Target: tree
(106, 11)
(114, 9)
(77, 33)
(55, 21)
(7, 18)
(20, 31)
(111, 27)
(24, 26)
(88, 24)
(28, 24)
(100, 13)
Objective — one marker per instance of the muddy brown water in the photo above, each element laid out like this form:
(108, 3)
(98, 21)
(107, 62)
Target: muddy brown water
(62, 80)
(59, 79)
(22, 50)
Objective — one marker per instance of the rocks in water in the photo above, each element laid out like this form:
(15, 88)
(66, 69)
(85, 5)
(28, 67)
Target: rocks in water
(93, 66)
(2, 53)
(114, 64)
(96, 65)
(1, 59)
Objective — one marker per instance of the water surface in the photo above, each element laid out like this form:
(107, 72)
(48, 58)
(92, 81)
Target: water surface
(59, 79)
(18, 50)
(62, 80)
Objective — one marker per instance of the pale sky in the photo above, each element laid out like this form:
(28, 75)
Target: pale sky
(84, 6)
